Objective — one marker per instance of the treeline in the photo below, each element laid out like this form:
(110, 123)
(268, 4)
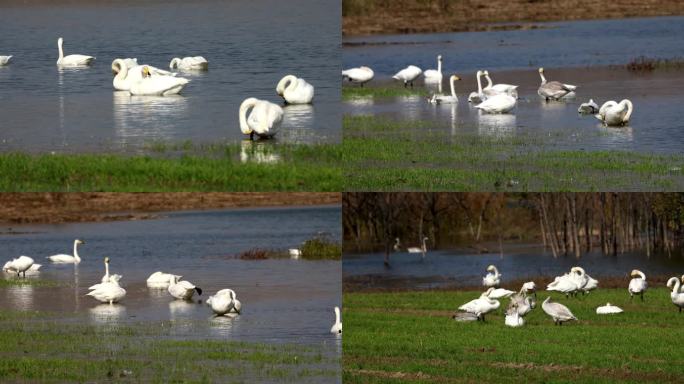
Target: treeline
(566, 223)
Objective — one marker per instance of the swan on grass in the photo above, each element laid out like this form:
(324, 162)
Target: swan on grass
(19, 265)
(337, 327)
(360, 75)
(67, 259)
(638, 284)
(499, 293)
(434, 75)
(588, 108)
(196, 63)
(586, 282)
(492, 278)
(182, 290)
(613, 114)
(498, 89)
(481, 306)
(500, 103)
(408, 75)
(558, 312)
(529, 287)
(260, 117)
(569, 284)
(4, 60)
(513, 319)
(677, 296)
(422, 249)
(450, 99)
(71, 60)
(154, 85)
(608, 309)
(160, 279)
(295, 90)
(553, 89)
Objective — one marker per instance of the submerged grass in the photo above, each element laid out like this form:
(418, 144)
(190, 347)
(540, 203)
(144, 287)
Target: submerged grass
(181, 167)
(382, 154)
(355, 92)
(410, 337)
(20, 281)
(648, 64)
(321, 248)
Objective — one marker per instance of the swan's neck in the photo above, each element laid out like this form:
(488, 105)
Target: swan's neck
(61, 52)
(489, 82)
(106, 269)
(629, 110)
(244, 108)
(496, 272)
(542, 77)
(78, 259)
(337, 315)
(439, 65)
(675, 288)
(123, 69)
(479, 82)
(453, 87)
(288, 83)
(641, 274)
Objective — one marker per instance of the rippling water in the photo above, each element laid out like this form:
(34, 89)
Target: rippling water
(250, 45)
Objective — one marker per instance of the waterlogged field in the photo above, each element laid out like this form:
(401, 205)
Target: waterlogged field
(409, 337)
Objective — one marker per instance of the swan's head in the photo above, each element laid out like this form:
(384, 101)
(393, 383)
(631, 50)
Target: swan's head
(425, 238)
(117, 64)
(454, 77)
(60, 41)
(578, 270)
(541, 70)
(682, 279)
(491, 268)
(485, 72)
(174, 63)
(107, 259)
(439, 57)
(634, 273)
(79, 242)
(146, 71)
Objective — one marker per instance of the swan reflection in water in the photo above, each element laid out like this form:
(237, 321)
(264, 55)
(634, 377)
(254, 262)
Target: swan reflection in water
(616, 136)
(20, 297)
(224, 325)
(298, 123)
(411, 106)
(258, 152)
(497, 125)
(144, 116)
(361, 101)
(106, 314)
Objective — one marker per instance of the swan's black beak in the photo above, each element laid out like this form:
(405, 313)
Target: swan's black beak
(199, 290)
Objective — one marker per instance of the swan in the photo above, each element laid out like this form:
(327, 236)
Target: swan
(521, 303)
(508, 89)
(500, 293)
(615, 114)
(422, 249)
(553, 89)
(558, 312)
(397, 245)
(492, 278)
(264, 119)
(107, 278)
(71, 60)
(500, 103)
(19, 265)
(529, 287)
(608, 309)
(587, 283)
(182, 289)
(477, 97)
(196, 63)
(295, 90)
(589, 107)
(514, 319)
(676, 296)
(108, 292)
(481, 306)
(567, 284)
(125, 75)
(442, 99)
(34, 269)
(359, 75)
(638, 284)
(222, 302)
(432, 75)
(295, 253)
(337, 327)
(158, 85)
(160, 279)
(129, 62)
(67, 259)
(4, 60)
(408, 75)
(237, 305)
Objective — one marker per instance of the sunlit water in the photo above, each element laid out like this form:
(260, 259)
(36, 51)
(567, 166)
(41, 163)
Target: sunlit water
(250, 45)
(288, 301)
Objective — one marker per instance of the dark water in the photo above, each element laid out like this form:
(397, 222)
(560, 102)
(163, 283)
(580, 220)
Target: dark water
(451, 268)
(250, 45)
(283, 300)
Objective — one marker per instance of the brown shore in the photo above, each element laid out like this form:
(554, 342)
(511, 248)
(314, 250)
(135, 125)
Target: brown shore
(18, 208)
(369, 17)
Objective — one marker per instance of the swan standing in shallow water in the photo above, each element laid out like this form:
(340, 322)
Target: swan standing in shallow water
(408, 75)
(4, 60)
(360, 75)
(638, 284)
(295, 90)
(160, 279)
(477, 97)
(223, 302)
(432, 75)
(492, 278)
(107, 278)
(481, 306)
(67, 259)
(498, 89)
(615, 114)
(500, 103)
(71, 60)
(260, 117)
(337, 327)
(676, 296)
(157, 85)
(608, 309)
(451, 99)
(182, 290)
(553, 89)
(19, 265)
(34, 269)
(108, 293)
(558, 312)
(196, 63)
(422, 249)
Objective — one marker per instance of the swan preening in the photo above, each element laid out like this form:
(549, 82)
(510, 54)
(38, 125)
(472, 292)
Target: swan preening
(499, 89)
(589, 107)
(492, 278)
(109, 290)
(422, 249)
(224, 301)
(677, 296)
(295, 90)
(360, 75)
(71, 60)
(4, 60)
(558, 312)
(196, 63)
(434, 75)
(638, 284)
(573, 282)
(481, 306)
(553, 89)
(20, 265)
(67, 259)
(612, 113)
(260, 117)
(608, 309)
(129, 72)
(500, 103)
(155, 85)
(447, 99)
(408, 75)
(160, 279)
(182, 290)
(337, 327)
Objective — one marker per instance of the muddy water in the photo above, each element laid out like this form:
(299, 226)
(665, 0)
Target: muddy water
(283, 300)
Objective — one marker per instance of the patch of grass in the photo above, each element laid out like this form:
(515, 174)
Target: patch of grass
(648, 64)
(320, 248)
(28, 281)
(278, 167)
(355, 92)
(383, 155)
(263, 254)
(410, 337)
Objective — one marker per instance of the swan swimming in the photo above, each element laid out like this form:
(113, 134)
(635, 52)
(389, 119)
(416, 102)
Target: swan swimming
(182, 290)
(19, 265)
(477, 97)
(507, 89)
(638, 284)
(553, 89)
(615, 114)
(160, 279)
(408, 75)
(451, 99)
(432, 75)
(71, 60)
(360, 75)
(481, 306)
(125, 75)
(264, 118)
(492, 278)
(608, 309)
(589, 107)
(196, 63)
(67, 259)
(337, 327)
(422, 249)
(4, 60)
(677, 296)
(558, 312)
(157, 85)
(500, 103)
(295, 90)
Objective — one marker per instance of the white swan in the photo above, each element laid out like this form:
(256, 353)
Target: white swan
(158, 85)
(586, 282)
(513, 319)
(553, 89)
(4, 60)
(477, 97)
(529, 287)
(160, 279)
(129, 62)
(34, 269)
(492, 278)
(182, 290)
(451, 99)
(615, 114)
(295, 90)
(521, 304)
(507, 89)
(608, 309)
(196, 63)
(676, 296)
(19, 265)
(500, 293)
(422, 249)
(71, 60)
(589, 107)
(125, 74)
(222, 302)
(558, 312)
(434, 75)
(500, 103)
(638, 284)
(360, 75)
(107, 278)
(264, 119)
(337, 327)
(108, 293)
(568, 284)
(408, 75)
(295, 253)
(481, 306)
(67, 259)
(397, 245)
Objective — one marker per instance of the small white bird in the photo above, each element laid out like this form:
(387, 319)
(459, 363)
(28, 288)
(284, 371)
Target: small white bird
(408, 75)
(553, 89)
(19, 265)
(422, 249)
(337, 327)
(182, 290)
(492, 278)
(67, 259)
(588, 108)
(481, 306)
(638, 284)
(295, 90)
(608, 309)
(434, 75)
(614, 114)
(71, 60)
(260, 117)
(500, 103)
(196, 63)
(4, 60)
(558, 312)
(160, 280)
(360, 75)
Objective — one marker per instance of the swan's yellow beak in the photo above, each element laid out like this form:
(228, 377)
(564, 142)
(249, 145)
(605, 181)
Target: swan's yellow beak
(456, 77)
(146, 71)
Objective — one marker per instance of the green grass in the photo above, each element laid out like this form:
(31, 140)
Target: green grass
(321, 248)
(383, 155)
(13, 281)
(355, 92)
(180, 167)
(410, 337)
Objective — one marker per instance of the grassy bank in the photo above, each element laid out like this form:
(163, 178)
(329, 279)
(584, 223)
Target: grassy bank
(215, 168)
(411, 338)
(356, 92)
(386, 155)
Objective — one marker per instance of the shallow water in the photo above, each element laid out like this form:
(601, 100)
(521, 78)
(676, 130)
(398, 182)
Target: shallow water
(288, 301)
(250, 45)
